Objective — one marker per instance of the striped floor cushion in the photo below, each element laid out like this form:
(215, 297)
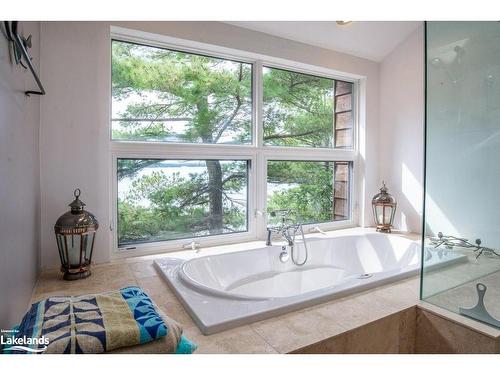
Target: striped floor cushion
(95, 323)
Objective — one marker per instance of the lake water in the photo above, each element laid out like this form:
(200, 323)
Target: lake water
(184, 169)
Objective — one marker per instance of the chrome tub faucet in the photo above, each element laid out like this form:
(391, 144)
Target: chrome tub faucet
(288, 233)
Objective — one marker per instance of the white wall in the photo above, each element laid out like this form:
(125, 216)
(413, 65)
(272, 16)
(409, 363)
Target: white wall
(19, 181)
(74, 127)
(75, 113)
(402, 129)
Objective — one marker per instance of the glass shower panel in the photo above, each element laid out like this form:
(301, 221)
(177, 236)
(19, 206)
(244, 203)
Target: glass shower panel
(462, 174)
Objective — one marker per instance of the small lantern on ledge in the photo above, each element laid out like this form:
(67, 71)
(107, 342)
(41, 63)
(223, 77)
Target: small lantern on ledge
(384, 208)
(75, 234)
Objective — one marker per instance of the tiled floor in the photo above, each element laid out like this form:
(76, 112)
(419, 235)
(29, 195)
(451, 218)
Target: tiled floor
(281, 334)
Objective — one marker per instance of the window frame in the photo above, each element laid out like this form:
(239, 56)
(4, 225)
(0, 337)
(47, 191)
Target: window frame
(257, 153)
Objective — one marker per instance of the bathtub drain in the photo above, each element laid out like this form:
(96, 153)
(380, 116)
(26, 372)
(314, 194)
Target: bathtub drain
(365, 275)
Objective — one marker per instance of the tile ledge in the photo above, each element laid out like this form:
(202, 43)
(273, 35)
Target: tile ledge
(351, 330)
(345, 331)
(459, 319)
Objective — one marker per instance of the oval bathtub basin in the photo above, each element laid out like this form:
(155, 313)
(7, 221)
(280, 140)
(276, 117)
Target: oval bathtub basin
(225, 290)
(259, 274)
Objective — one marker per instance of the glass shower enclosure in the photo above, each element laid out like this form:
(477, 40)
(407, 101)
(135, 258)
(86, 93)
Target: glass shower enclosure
(462, 169)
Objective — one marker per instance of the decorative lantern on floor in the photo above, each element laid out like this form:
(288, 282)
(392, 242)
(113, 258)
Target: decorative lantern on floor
(384, 208)
(75, 234)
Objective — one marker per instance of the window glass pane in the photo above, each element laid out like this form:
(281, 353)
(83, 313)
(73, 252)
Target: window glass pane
(315, 191)
(298, 109)
(302, 110)
(171, 96)
(170, 199)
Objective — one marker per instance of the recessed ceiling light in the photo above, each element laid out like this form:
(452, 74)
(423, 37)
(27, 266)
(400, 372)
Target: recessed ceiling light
(343, 23)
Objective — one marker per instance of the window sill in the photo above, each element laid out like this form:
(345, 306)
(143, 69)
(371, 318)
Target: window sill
(240, 245)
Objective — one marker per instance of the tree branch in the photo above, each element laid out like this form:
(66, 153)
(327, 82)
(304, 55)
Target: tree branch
(233, 176)
(229, 120)
(300, 82)
(193, 199)
(233, 201)
(133, 168)
(235, 111)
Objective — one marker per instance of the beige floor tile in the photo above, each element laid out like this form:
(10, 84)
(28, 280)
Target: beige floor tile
(103, 278)
(292, 331)
(143, 269)
(391, 334)
(351, 313)
(362, 308)
(118, 273)
(242, 340)
(398, 296)
(156, 287)
(175, 311)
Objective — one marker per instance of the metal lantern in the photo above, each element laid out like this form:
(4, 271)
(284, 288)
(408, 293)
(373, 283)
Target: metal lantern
(384, 208)
(75, 234)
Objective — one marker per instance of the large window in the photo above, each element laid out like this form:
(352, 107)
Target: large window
(205, 147)
(161, 200)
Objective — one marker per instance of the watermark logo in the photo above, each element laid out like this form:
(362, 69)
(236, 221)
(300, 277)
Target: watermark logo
(12, 343)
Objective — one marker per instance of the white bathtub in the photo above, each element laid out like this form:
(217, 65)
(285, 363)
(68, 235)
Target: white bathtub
(226, 290)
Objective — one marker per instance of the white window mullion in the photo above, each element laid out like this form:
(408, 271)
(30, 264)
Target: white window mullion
(258, 100)
(260, 212)
(291, 153)
(260, 208)
(163, 148)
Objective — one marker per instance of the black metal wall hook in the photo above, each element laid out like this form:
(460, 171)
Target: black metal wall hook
(21, 46)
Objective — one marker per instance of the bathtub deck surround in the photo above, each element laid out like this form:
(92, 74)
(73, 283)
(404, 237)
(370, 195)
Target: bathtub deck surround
(345, 325)
(342, 325)
(283, 334)
(228, 290)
